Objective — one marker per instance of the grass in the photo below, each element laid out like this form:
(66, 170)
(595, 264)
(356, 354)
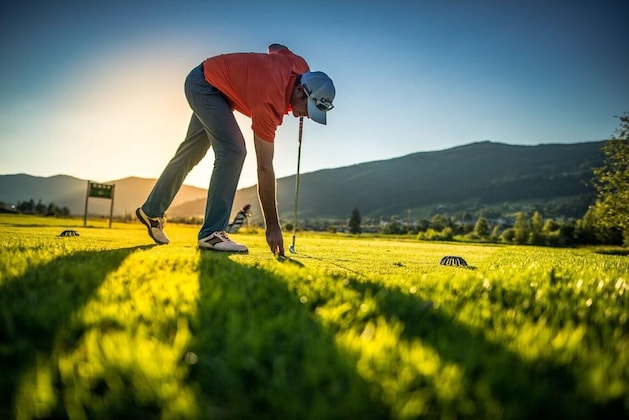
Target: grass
(106, 325)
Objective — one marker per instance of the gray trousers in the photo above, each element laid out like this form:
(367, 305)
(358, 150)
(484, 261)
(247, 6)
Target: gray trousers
(212, 124)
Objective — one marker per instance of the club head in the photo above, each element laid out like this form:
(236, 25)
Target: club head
(292, 249)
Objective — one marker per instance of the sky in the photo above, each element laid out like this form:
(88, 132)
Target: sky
(95, 89)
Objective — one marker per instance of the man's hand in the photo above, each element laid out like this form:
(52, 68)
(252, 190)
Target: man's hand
(267, 194)
(275, 240)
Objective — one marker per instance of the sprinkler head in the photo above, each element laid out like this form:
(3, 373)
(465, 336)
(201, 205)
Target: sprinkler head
(453, 261)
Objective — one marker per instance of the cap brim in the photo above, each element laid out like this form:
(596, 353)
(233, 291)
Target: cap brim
(315, 113)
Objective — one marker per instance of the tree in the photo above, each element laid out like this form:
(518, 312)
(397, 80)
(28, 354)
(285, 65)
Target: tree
(495, 233)
(521, 228)
(535, 235)
(439, 222)
(52, 210)
(26, 206)
(612, 181)
(40, 208)
(508, 235)
(354, 222)
(586, 229)
(550, 226)
(481, 228)
(394, 227)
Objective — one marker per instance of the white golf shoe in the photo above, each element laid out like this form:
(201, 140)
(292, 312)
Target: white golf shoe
(155, 226)
(219, 241)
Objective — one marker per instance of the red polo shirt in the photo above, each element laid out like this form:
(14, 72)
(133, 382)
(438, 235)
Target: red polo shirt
(257, 85)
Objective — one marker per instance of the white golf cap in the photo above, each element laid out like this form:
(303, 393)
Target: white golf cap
(320, 91)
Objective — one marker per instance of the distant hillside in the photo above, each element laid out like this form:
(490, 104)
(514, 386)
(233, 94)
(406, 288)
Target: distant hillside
(59, 188)
(67, 191)
(476, 174)
(484, 172)
(464, 177)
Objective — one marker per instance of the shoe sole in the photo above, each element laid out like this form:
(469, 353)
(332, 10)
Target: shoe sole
(222, 251)
(148, 227)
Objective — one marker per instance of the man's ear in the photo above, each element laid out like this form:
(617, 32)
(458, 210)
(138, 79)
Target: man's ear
(300, 91)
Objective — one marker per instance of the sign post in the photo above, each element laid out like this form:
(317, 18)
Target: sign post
(97, 190)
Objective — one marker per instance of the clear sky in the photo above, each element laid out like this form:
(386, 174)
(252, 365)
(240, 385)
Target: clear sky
(95, 89)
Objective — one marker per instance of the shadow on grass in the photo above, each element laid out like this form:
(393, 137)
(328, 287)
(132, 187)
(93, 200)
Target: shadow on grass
(615, 251)
(261, 354)
(36, 312)
(539, 389)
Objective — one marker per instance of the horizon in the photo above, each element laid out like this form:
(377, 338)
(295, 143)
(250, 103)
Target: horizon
(316, 170)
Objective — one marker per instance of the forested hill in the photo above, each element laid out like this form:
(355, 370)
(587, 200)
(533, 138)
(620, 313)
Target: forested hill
(477, 173)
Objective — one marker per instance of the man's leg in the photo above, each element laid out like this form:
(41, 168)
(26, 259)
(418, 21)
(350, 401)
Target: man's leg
(189, 153)
(193, 148)
(223, 186)
(217, 117)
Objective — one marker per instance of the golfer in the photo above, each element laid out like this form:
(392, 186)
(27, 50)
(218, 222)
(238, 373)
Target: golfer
(264, 87)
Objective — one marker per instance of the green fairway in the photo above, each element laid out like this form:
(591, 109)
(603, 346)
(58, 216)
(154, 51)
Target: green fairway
(109, 325)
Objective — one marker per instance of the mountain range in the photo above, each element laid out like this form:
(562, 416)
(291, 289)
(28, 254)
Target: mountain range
(68, 191)
(482, 174)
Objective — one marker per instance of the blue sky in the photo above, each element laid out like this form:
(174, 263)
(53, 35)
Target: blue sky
(95, 90)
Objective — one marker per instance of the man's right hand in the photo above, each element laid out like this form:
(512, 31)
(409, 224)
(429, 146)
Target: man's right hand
(275, 240)
(267, 194)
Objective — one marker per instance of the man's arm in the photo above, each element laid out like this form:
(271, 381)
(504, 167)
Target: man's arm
(267, 194)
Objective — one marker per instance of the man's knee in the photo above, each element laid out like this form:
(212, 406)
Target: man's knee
(240, 152)
(233, 155)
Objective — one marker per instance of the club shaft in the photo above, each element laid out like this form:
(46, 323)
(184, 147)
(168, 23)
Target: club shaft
(301, 129)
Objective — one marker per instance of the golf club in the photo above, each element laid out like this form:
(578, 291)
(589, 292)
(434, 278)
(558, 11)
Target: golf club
(301, 129)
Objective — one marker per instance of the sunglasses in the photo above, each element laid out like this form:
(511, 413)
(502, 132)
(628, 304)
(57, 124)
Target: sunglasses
(322, 104)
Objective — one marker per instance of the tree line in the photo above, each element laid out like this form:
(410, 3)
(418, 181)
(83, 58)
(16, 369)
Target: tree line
(50, 209)
(524, 229)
